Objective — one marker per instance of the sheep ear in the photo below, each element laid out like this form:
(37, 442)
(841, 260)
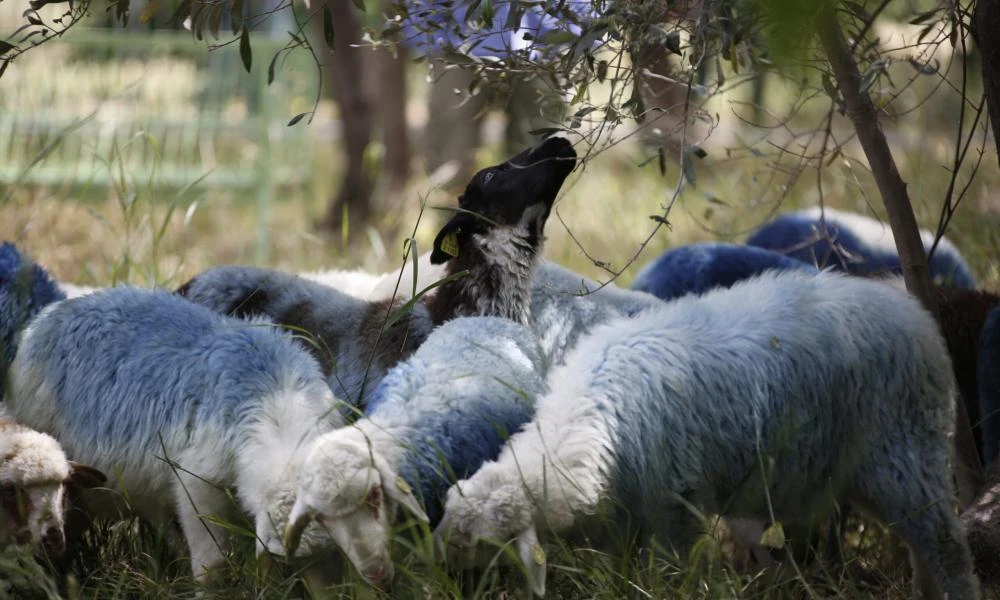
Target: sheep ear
(86, 476)
(397, 490)
(299, 518)
(533, 556)
(448, 240)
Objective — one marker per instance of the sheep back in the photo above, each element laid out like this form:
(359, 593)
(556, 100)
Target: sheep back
(566, 305)
(25, 288)
(345, 334)
(470, 386)
(697, 268)
(854, 243)
(123, 376)
(811, 374)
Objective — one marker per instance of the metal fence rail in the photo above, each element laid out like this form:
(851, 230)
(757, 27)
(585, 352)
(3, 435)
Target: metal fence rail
(156, 108)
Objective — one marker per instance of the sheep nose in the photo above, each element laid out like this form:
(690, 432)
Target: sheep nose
(380, 575)
(54, 541)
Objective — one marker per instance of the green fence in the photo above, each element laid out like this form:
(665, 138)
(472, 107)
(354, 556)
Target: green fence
(157, 109)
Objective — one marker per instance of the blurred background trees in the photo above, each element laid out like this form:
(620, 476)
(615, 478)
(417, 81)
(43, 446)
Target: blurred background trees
(690, 79)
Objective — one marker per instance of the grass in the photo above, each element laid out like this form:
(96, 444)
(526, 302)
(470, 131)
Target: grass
(135, 232)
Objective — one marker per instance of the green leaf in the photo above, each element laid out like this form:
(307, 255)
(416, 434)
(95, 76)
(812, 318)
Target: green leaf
(830, 87)
(578, 117)
(923, 17)
(773, 537)
(488, 14)
(236, 15)
(924, 68)
(215, 21)
(297, 118)
(858, 10)
(245, 53)
(6, 47)
(687, 168)
(360, 5)
(328, 26)
(558, 37)
(183, 11)
(545, 131)
(270, 67)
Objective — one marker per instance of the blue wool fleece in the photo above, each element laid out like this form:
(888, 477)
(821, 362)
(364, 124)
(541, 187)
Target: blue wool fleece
(127, 366)
(25, 289)
(454, 403)
(856, 244)
(697, 268)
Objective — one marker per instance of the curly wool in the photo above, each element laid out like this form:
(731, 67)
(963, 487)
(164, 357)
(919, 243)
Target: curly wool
(842, 385)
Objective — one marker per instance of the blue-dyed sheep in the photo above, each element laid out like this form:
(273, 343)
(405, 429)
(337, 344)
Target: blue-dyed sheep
(839, 385)
(697, 268)
(25, 289)
(854, 243)
(490, 250)
(434, 418)
(183, 403)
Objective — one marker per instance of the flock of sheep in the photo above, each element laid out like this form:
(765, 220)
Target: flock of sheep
(514, 401)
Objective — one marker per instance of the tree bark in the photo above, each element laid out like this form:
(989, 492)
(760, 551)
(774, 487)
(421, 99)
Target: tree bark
(897, 205)
(392, 112)
(345, 76)
(985, 26)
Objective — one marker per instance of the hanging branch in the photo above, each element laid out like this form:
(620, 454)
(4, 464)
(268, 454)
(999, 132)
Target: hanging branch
(863, 115)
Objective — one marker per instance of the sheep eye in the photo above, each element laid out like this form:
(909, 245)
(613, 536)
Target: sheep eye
(374, 500)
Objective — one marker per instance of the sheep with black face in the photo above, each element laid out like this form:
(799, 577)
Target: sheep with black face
(488, 248)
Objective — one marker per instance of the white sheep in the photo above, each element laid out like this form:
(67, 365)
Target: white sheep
(435, 418)
(490, 248)
(34, 476)
(840, 387)
(566, 305)
(181, 402)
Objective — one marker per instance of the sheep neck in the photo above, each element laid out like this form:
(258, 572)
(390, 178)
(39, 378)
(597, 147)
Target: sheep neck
(499, 266)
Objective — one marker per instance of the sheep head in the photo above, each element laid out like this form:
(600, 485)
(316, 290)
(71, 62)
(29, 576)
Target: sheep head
(351, 492)
(34, 475)
(516, 194)
(489, 506)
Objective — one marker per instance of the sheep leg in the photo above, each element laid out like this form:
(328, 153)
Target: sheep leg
(206, 541)
(910, 489)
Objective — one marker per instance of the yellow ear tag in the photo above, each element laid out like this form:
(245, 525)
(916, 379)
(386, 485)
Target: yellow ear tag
(402, 486)
(773, 537)
(449, 243)
(538, 554)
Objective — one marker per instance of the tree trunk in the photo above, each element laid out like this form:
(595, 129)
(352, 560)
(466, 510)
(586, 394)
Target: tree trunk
(662, 90)
(985, 25)
(392, 112)
(345, 72)
(897, 205)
